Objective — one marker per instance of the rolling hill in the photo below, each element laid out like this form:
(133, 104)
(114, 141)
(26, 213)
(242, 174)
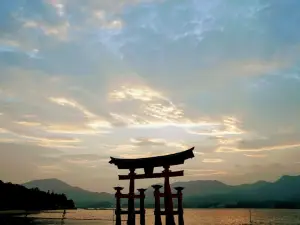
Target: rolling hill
(81, 197)
(196, 193)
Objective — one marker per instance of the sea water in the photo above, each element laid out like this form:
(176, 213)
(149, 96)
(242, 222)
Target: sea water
(191, 216)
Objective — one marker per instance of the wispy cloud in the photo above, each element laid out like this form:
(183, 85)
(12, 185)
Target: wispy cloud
(157, 111)
(212, 160)
(51, 169)
(267, 148)
(3, 130)
(28, 123)
(133, 156)
(135, 93)
(229, 126)
(157, 142)
(255, 155)
(59, 30)
(73, 104)
(203, 172)
(69, 129)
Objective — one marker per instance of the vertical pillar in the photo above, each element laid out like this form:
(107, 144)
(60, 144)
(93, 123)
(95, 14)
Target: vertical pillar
(157, 205)
(180, 206)
(142, 205)
(168, 198)
(118, 204)
(131, 208)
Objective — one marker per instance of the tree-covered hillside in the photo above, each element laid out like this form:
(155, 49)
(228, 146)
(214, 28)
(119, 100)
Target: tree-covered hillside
(17, 197)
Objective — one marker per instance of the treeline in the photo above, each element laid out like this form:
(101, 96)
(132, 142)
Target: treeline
(17, 197)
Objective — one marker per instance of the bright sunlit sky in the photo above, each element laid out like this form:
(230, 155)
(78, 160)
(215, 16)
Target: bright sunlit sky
(83, 80)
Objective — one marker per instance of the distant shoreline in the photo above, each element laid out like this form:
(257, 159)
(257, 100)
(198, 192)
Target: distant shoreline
(18, 212)
(28, 212)
(12, 213)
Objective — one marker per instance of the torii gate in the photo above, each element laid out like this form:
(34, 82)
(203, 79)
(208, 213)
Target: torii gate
(148, 165)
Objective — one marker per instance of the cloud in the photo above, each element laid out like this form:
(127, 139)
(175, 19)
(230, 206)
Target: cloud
(66, 102)
(59, 31)
(275, 139)
(146, 141)
(267, 148)
(199, 153)
(212, 160)
(18, 160)
(255, 67)
(134, 156)
(54, 142)
(37, 137)
(157, 111)
(229, 126)
(64, 164)
(156, 142)
(155, 106)
(144, 94)
(113, 5)
(272, 142)
(254, 172)
(82, 160)
(203, 172)
(94, 125)
(3, 130)
(221, 140)
(120, 148)
(255, 155)
(73, 129)
(51, 169)
(29, 124)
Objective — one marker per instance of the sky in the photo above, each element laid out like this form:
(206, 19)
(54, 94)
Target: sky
(83, 80)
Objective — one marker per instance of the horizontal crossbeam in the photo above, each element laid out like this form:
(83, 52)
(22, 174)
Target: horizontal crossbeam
(127, 196)
(153, 175)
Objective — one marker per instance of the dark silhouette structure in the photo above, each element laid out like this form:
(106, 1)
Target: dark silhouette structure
(148, 165)
(17, 197)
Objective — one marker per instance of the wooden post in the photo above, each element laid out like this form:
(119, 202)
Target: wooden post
(180, 206)
(118, 204)
(157, 204)
(142, 205)
(168, 198)
(131, 208)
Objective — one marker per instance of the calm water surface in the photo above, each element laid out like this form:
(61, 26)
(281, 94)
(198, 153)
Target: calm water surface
(192, 217)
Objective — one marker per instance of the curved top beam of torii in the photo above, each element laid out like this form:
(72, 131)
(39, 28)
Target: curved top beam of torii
(151, 162)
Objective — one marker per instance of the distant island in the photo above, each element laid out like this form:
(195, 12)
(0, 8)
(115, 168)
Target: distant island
(18, 197)
(283, 193)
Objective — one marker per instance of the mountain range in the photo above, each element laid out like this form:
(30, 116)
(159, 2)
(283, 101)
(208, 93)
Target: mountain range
(200, 193)
(81, 197)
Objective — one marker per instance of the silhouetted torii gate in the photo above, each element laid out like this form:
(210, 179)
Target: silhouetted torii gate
(148, 165)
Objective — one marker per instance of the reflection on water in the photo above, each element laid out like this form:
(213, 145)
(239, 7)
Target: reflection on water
(192, 217)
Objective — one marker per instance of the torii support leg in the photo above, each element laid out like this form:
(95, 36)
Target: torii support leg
(118, 205)
(180, 206)
(168, 198)
(131, 209)
(157, 211)
(142, 205)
